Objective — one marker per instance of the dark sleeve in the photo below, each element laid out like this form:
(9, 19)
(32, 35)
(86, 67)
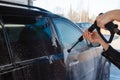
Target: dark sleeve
(113, 56)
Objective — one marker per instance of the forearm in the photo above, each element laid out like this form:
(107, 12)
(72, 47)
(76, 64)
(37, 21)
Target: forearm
(115, 14)
(113, 56)
(110, 16)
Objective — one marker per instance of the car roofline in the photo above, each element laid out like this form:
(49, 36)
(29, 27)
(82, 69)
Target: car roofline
(36, 10)
(23, 6)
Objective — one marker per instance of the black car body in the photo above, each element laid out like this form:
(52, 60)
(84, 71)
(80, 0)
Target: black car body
(34, 44)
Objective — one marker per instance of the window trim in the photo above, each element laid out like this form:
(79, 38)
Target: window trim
(10, 53)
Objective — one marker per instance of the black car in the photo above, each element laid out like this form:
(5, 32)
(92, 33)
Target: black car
(34, 45)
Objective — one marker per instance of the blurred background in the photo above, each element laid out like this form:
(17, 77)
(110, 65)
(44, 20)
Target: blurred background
(78, 10)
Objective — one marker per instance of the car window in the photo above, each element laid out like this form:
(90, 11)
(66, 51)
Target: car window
(33, 50)
(4, 55)
(68, 33)
(29, 41)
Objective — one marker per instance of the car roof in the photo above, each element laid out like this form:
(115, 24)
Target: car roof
(15, 11)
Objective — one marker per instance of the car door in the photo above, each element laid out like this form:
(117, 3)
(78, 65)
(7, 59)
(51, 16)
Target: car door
(83, 62)
(32, 51)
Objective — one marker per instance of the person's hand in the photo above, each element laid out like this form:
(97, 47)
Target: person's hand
(94, 37)
(108, 17)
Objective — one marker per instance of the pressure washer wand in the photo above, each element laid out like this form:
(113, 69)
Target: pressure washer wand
(113, 28)
(92, 27)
